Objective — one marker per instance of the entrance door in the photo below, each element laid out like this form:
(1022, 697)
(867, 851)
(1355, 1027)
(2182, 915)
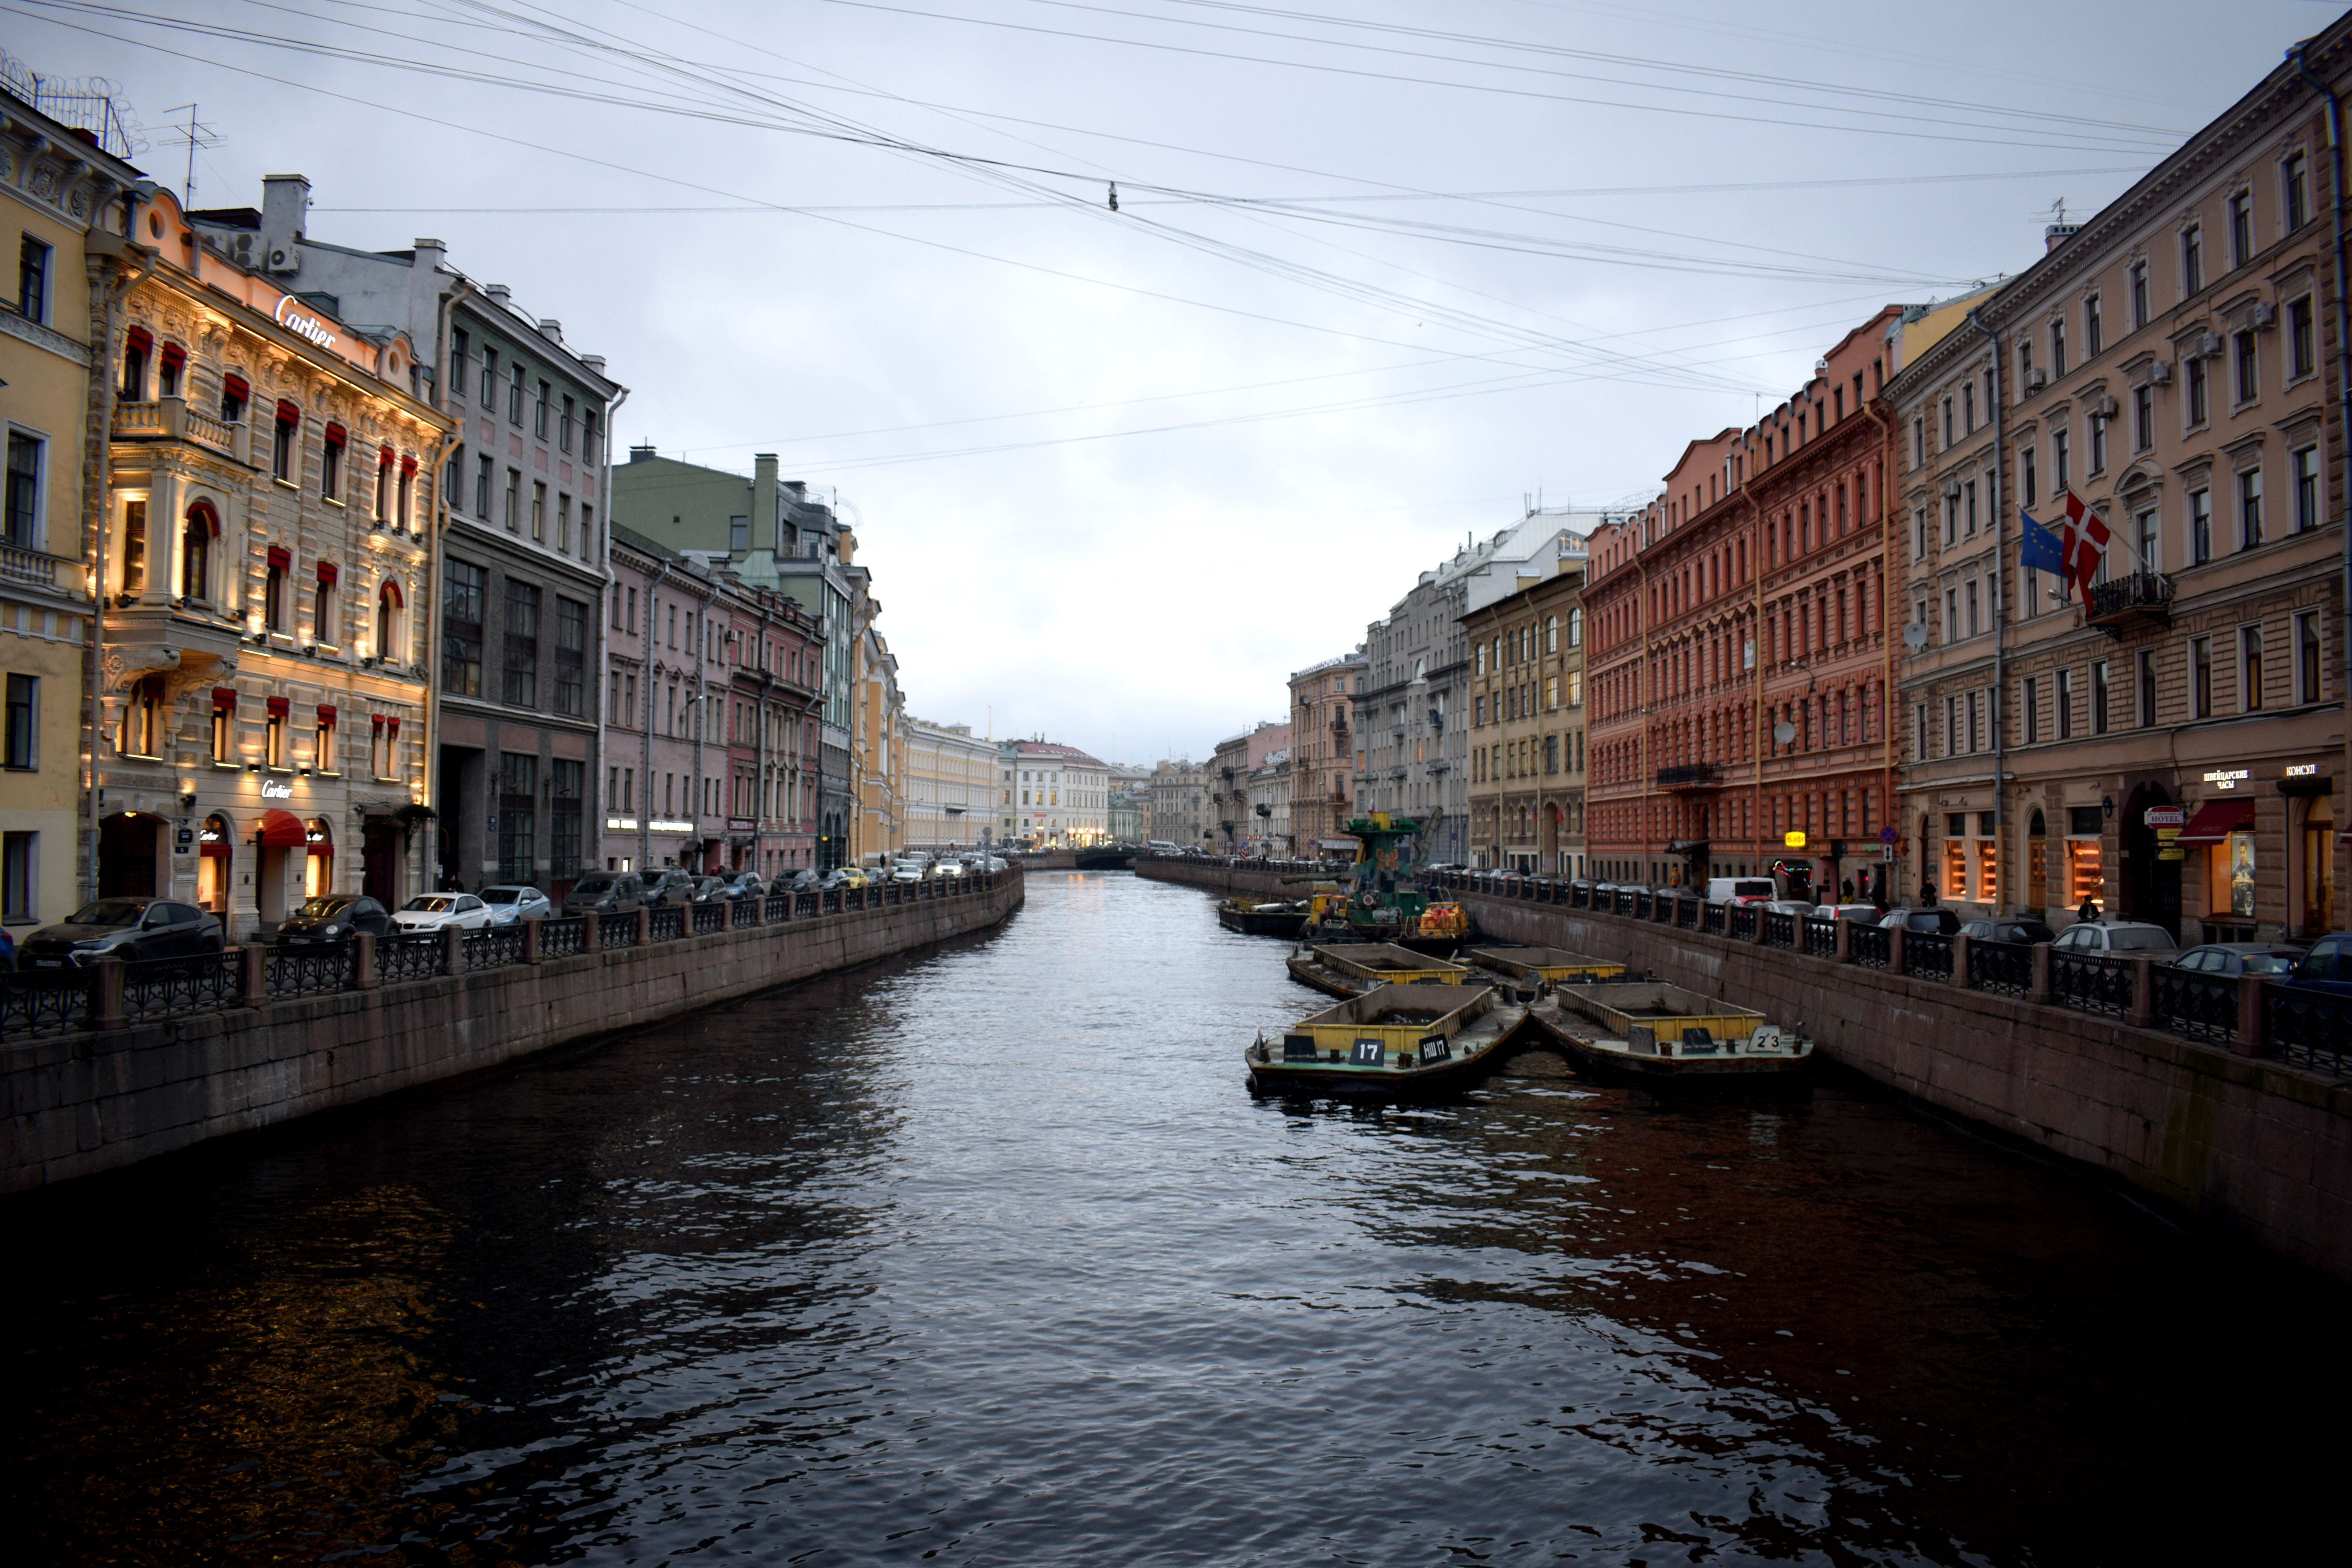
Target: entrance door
(126, 855)
(380, 863)
(2320, 867)
(2037, 864)
(2151, 886)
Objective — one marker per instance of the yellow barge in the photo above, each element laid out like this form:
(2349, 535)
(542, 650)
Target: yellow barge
(1661, 1034)
(1391, 1040)
(1350, 969)
(1554, 965)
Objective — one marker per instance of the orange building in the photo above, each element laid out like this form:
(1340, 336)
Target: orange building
(1738, 666)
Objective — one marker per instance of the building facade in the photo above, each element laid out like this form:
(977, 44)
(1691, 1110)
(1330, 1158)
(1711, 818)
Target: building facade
(69, 201)
(1526, 728)
(1322, 745)
(1267, 800)
(2168, 746)
(1235, 759)
(517, 606)
(272, 481)
(1179, 809)
(952, 786)
(1058, 796)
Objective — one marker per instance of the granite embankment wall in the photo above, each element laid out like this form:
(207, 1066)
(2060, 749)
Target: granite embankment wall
(99, 1100)
(2252, 1146)
(1220, 877)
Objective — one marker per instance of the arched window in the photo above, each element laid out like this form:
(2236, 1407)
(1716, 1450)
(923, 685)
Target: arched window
(1552, 633)
(197, 538)
(388, 605)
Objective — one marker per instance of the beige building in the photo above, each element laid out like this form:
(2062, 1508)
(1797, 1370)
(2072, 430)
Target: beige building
(1527, 727)
(1321, 760)
(1179, 809)
(65, 200)
(1266, 796)
(877, 745)
(1059, 797)
(2166, 362)
(950, 785)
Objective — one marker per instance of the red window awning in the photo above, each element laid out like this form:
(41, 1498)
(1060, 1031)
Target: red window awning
(279, 707)
(337, 435)
(281, 558)
(283, 830)
(383, 456)
(327, 573)
(236, 386)
(391, 594)
(287, 414)
(173, 354)
(407, 465)
(139, 341)
(2216, 819)
(326, 714)
(224, 696)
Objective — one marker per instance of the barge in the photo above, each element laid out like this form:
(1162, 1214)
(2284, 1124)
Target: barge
(1658, 1034)
(1553, 965)
(1350, 969)
(1393, 1040)
(1264, 917)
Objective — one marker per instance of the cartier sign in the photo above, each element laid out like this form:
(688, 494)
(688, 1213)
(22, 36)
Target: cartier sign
(291, 316)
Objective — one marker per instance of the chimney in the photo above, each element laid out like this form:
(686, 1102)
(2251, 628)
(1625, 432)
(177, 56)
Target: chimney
(765, 507)
(641, 453)
(285, 207)
(430, 253)
(551, 330)
(499, 292)
(2056, 235)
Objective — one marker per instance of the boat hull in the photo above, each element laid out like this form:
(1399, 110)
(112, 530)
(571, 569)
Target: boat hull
(1726, 1070)
(1252, 924)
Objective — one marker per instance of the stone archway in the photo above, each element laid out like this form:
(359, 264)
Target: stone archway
(2150, 884)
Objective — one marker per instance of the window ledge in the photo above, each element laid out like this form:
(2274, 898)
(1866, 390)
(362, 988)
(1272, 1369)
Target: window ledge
(334, 501)
(285, 484)
(325, 773)
(229, 767)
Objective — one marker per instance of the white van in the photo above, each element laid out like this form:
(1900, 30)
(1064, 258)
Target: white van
(1739, 890)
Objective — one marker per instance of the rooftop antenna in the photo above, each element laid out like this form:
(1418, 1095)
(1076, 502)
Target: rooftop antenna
(199, 136)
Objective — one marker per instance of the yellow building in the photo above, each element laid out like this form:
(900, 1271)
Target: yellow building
(950, 785)
(877, 746)
(268, 543)
(67, 199)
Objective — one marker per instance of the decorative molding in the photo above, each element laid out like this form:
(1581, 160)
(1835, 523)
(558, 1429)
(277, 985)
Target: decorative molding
(42, 337)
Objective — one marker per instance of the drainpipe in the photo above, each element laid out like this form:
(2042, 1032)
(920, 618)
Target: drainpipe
(703, 719)
(1887, 453)
(444, 316)
(2343, 345)
(603, 615)
(1999, 629)
(645, 728)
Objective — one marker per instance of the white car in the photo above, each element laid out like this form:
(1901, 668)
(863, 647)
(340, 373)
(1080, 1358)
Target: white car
(2116, 939)
(438, 912)
(906, 871)
(512, 903)
(948, 869)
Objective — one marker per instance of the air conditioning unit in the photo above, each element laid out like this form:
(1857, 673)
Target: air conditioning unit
(2262, 315)
(2102, 407)
(2208, 344)
(2158, 372)
(284, 261)
(2035, 380)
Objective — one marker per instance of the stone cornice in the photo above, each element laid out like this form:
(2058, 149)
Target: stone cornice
(42, 337)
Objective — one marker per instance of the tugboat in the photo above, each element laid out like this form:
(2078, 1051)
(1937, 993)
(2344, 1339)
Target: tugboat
(1659, 1035)
(1264, 917)
(1383, 899)
(1390, 1042)
(1351, 969)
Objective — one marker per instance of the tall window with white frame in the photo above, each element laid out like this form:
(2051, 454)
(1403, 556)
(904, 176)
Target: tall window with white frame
(2062, 705)
(2148, 540)
(2302, 354)
(2242, 227)
(2143, 418)
(21, 523)
(2196, 380)
(2146, 710)
(2295, 190)
(2250, 509)
(2303, 473)
(2200, 526)
(2139, 282)
(2307, 655)
(2246, 362)
(2193, 260)
(2249, 669)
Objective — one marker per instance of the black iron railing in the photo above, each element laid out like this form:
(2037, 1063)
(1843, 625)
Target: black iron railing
(1779, 927)
(1739, 923)
(564, 938)
(617, 931)
(1870, 946)
(1820, 936)
(2203, 1006)
(2006, 967)
(403, 958)
(155, 987)
(710, 918)
(2091, 982)
(493, 948)
(668, 924)
(741, 912)
(1711, 919)
(37, 1002)
(1927, 955)
(306, 970)
(779, 908)
(2307, 1028)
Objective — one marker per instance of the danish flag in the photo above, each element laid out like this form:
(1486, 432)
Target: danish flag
(2084, 546)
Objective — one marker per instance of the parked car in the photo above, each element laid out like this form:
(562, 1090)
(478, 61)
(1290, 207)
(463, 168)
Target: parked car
(1738, 889)
(947, 868)
(439, 912)
(336, 916)
(800, 882)
(2122, 938)
(2326, 967)
(668, 889)
(2008, 928)
(995, 863)
(605, 893)
(906, 871)
(1861, 914)
(122, 928)
(708, 890)
(513, 902)
(2241, 958)
(1935, 920)
(1800, 907)
(743, 884)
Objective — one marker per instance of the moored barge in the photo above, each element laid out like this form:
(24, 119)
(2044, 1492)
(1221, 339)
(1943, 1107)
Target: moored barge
(1350, 969)
(1554, 965)
(1264, 917)
(1657, 1034)
(1391, 1041)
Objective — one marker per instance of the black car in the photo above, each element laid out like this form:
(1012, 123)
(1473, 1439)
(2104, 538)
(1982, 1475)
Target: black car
(2008, 928)
(1936, 921)
(336, 916)
(122, 928)
(669, 890)
(743, 884)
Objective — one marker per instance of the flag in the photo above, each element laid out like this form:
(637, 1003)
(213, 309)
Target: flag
(2040, 551)
(2086, 545)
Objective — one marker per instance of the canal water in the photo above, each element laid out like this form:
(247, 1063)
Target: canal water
(987, 1257)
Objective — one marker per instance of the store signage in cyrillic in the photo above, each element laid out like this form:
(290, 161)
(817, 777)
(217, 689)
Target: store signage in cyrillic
(660, 827)
(2227, 778)
(2303, 770)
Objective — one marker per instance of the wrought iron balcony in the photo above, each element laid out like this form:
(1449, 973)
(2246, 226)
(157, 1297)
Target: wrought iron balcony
(1691, 775)
(2141, 596)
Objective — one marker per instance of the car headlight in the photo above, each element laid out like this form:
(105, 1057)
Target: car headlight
(330, 930)
(86, 943)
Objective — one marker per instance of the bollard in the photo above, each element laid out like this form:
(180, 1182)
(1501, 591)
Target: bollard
(530, 939)
(453, 950)
(588, 937)
(253, 975)
(1895, 950)
(364, 974)
(645, 925)
(2037, 990)
(759, 911)
(2143, 1002)
(1960, 959)
(106, 993)
(1844, 940)
(2250, 1017)
(1759, 925)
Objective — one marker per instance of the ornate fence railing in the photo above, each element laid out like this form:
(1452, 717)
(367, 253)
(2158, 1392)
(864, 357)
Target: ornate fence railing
(37, 1002)
(307, 971)
(564, 938)
(403, 958)
(779, 908)
(1872, 947)
(1740, 922)
(2308, 1028)
(2006, 967)
(2091, 982)
(493, 948)
(710, 918)
(740, 914)
(155, 987)
(666, 924)
(1710, 919)
(1927, 955)
(620, 930)
(2203, 1006)
(1779, 927)
(1821, 936)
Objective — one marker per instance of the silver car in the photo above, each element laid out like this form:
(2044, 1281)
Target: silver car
(511, 902)
(2122, 939)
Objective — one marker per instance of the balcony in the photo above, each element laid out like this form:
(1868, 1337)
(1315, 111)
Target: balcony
(33, 568)
(170, 419)
(2144, 597)
(1691, 775)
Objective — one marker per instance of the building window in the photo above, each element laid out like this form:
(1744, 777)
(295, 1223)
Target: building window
(461, 630)
(141, 734)
(489, 380)
(563, 523)
(1918, 441)
(322, 743)
(2098, 697)
(2307, 655)
(2093, 329)
(224, 729)
(2242, 227)
(2062, 464)
(23, 524)
(273, 734)
(323, 630)
(2201, 676)
(282, 449)
(514, 501)
(2303, 471)
(2302, 357)
(2201, 527)
(563, 429)
(2143, 419)
(134, 548)
(2098, 445)
(521, 641)
(2058, 346)
(2145, 712)
(518, 816)
(2250, 509)
(539, 511)
(2294, 177)
(19, 876)
(2147, 543)
(565, 780)
(539, 411)
(2193, 260)
(2196, 373)
(2029, 700)
(514, 395)
(2138, 276)
(20, 751)
(2249, 669)
(571, 654)
(459, 348)
(33, 279)
(389, 645)
(2248, 372)
(195, 553)
(482, 472)
(273, 590)
(137, 344)
(2063, 717)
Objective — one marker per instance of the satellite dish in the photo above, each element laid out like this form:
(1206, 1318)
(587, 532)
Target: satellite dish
(1915, 635)
(1783, 732)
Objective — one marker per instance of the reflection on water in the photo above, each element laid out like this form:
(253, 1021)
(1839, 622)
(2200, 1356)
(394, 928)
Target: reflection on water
(989, 1258)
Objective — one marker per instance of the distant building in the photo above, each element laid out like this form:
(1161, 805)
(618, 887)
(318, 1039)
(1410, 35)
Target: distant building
(1320, 759)
(1268, 796)
(1130, 801)
(1527, 727)
(1179, 809)
(1229, 783)
(951, 786)
(1061, 796)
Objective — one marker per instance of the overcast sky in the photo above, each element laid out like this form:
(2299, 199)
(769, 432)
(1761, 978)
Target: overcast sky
(1378, 270)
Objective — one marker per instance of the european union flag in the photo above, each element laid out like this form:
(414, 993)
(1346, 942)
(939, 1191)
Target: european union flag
(2038, 551)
